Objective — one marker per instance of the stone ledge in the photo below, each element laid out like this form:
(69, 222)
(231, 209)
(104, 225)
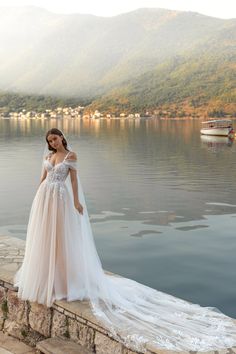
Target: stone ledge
(11, 345)
(59, 345)
(33, 323)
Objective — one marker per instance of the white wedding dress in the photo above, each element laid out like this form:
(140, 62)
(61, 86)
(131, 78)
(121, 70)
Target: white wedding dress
(61, 262)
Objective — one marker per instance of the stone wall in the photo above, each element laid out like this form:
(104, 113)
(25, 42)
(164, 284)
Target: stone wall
(31, 322)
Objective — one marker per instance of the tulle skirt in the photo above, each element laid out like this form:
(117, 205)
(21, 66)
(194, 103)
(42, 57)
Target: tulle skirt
(53, 263)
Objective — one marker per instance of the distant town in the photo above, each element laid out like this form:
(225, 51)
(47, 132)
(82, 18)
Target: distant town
(82, 112)
(60, 112)
(79, 112)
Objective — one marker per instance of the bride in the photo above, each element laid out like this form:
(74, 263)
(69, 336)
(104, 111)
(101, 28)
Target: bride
(61, 262)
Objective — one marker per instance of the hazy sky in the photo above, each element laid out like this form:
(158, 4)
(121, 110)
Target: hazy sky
(217, 8)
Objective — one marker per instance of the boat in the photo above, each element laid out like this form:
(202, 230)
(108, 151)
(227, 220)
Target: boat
(219, 127)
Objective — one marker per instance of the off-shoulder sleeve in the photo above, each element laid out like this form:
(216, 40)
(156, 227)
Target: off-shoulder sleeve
(71, 163)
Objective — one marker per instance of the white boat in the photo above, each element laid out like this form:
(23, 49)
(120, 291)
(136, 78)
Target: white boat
(219, 127)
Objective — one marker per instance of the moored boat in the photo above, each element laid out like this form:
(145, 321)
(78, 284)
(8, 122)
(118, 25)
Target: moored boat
(219, 127)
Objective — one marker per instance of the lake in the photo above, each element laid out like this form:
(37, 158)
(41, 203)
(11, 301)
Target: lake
(161, 199)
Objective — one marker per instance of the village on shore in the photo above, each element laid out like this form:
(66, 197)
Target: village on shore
(61, 112)
(80, 112)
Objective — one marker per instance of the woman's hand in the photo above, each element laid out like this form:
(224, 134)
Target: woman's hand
(79, 207)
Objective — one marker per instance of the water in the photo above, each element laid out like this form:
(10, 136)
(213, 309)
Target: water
(162, 200)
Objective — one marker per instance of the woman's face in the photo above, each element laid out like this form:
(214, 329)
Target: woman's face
(55, 141)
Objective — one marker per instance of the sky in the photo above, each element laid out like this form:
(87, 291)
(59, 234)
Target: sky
(215, 8)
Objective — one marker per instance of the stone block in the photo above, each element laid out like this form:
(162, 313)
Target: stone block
(59, 324)
(69, 314)
(17, 308)
(3, 304)
(80, 319)
(58, 308)
(81, 333)
(40, 318)
(14, 329)
(13, 345)
(106, 345)
(59, 345)
(32, 337)
(3, 294)
(99, 328)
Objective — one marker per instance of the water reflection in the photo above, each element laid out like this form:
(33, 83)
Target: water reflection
(216, 143)
(154, 165)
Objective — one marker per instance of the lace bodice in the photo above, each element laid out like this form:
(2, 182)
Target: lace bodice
(57, 174)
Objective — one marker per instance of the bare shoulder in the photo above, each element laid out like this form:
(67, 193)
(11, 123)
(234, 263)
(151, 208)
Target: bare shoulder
(72, 156)
(48, 156)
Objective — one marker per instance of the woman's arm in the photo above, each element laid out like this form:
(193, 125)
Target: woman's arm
(44, 175)
(74, 183)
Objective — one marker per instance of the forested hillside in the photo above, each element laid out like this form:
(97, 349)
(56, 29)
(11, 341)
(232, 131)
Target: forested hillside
(134, 61)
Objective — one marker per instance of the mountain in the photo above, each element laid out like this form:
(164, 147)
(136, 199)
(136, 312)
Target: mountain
(141, 58)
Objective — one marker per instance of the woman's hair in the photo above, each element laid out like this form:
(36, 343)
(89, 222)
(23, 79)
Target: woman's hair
(55, 131)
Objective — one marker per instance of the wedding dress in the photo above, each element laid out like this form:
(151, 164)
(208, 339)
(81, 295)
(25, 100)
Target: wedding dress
(61, 262)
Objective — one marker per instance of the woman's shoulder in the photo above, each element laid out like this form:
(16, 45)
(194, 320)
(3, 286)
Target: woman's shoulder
(71, 156)
(48, 156)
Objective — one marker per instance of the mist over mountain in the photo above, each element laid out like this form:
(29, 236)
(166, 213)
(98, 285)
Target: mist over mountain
(156, 50)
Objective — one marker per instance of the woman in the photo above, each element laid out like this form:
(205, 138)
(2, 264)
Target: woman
(61, 262)
(55, 264)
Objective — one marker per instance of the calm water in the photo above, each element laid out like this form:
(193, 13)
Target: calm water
(162, 201)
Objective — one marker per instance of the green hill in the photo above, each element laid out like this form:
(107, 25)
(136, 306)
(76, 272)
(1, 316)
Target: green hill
(16, 102)
(138, 60)
(192, 83)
